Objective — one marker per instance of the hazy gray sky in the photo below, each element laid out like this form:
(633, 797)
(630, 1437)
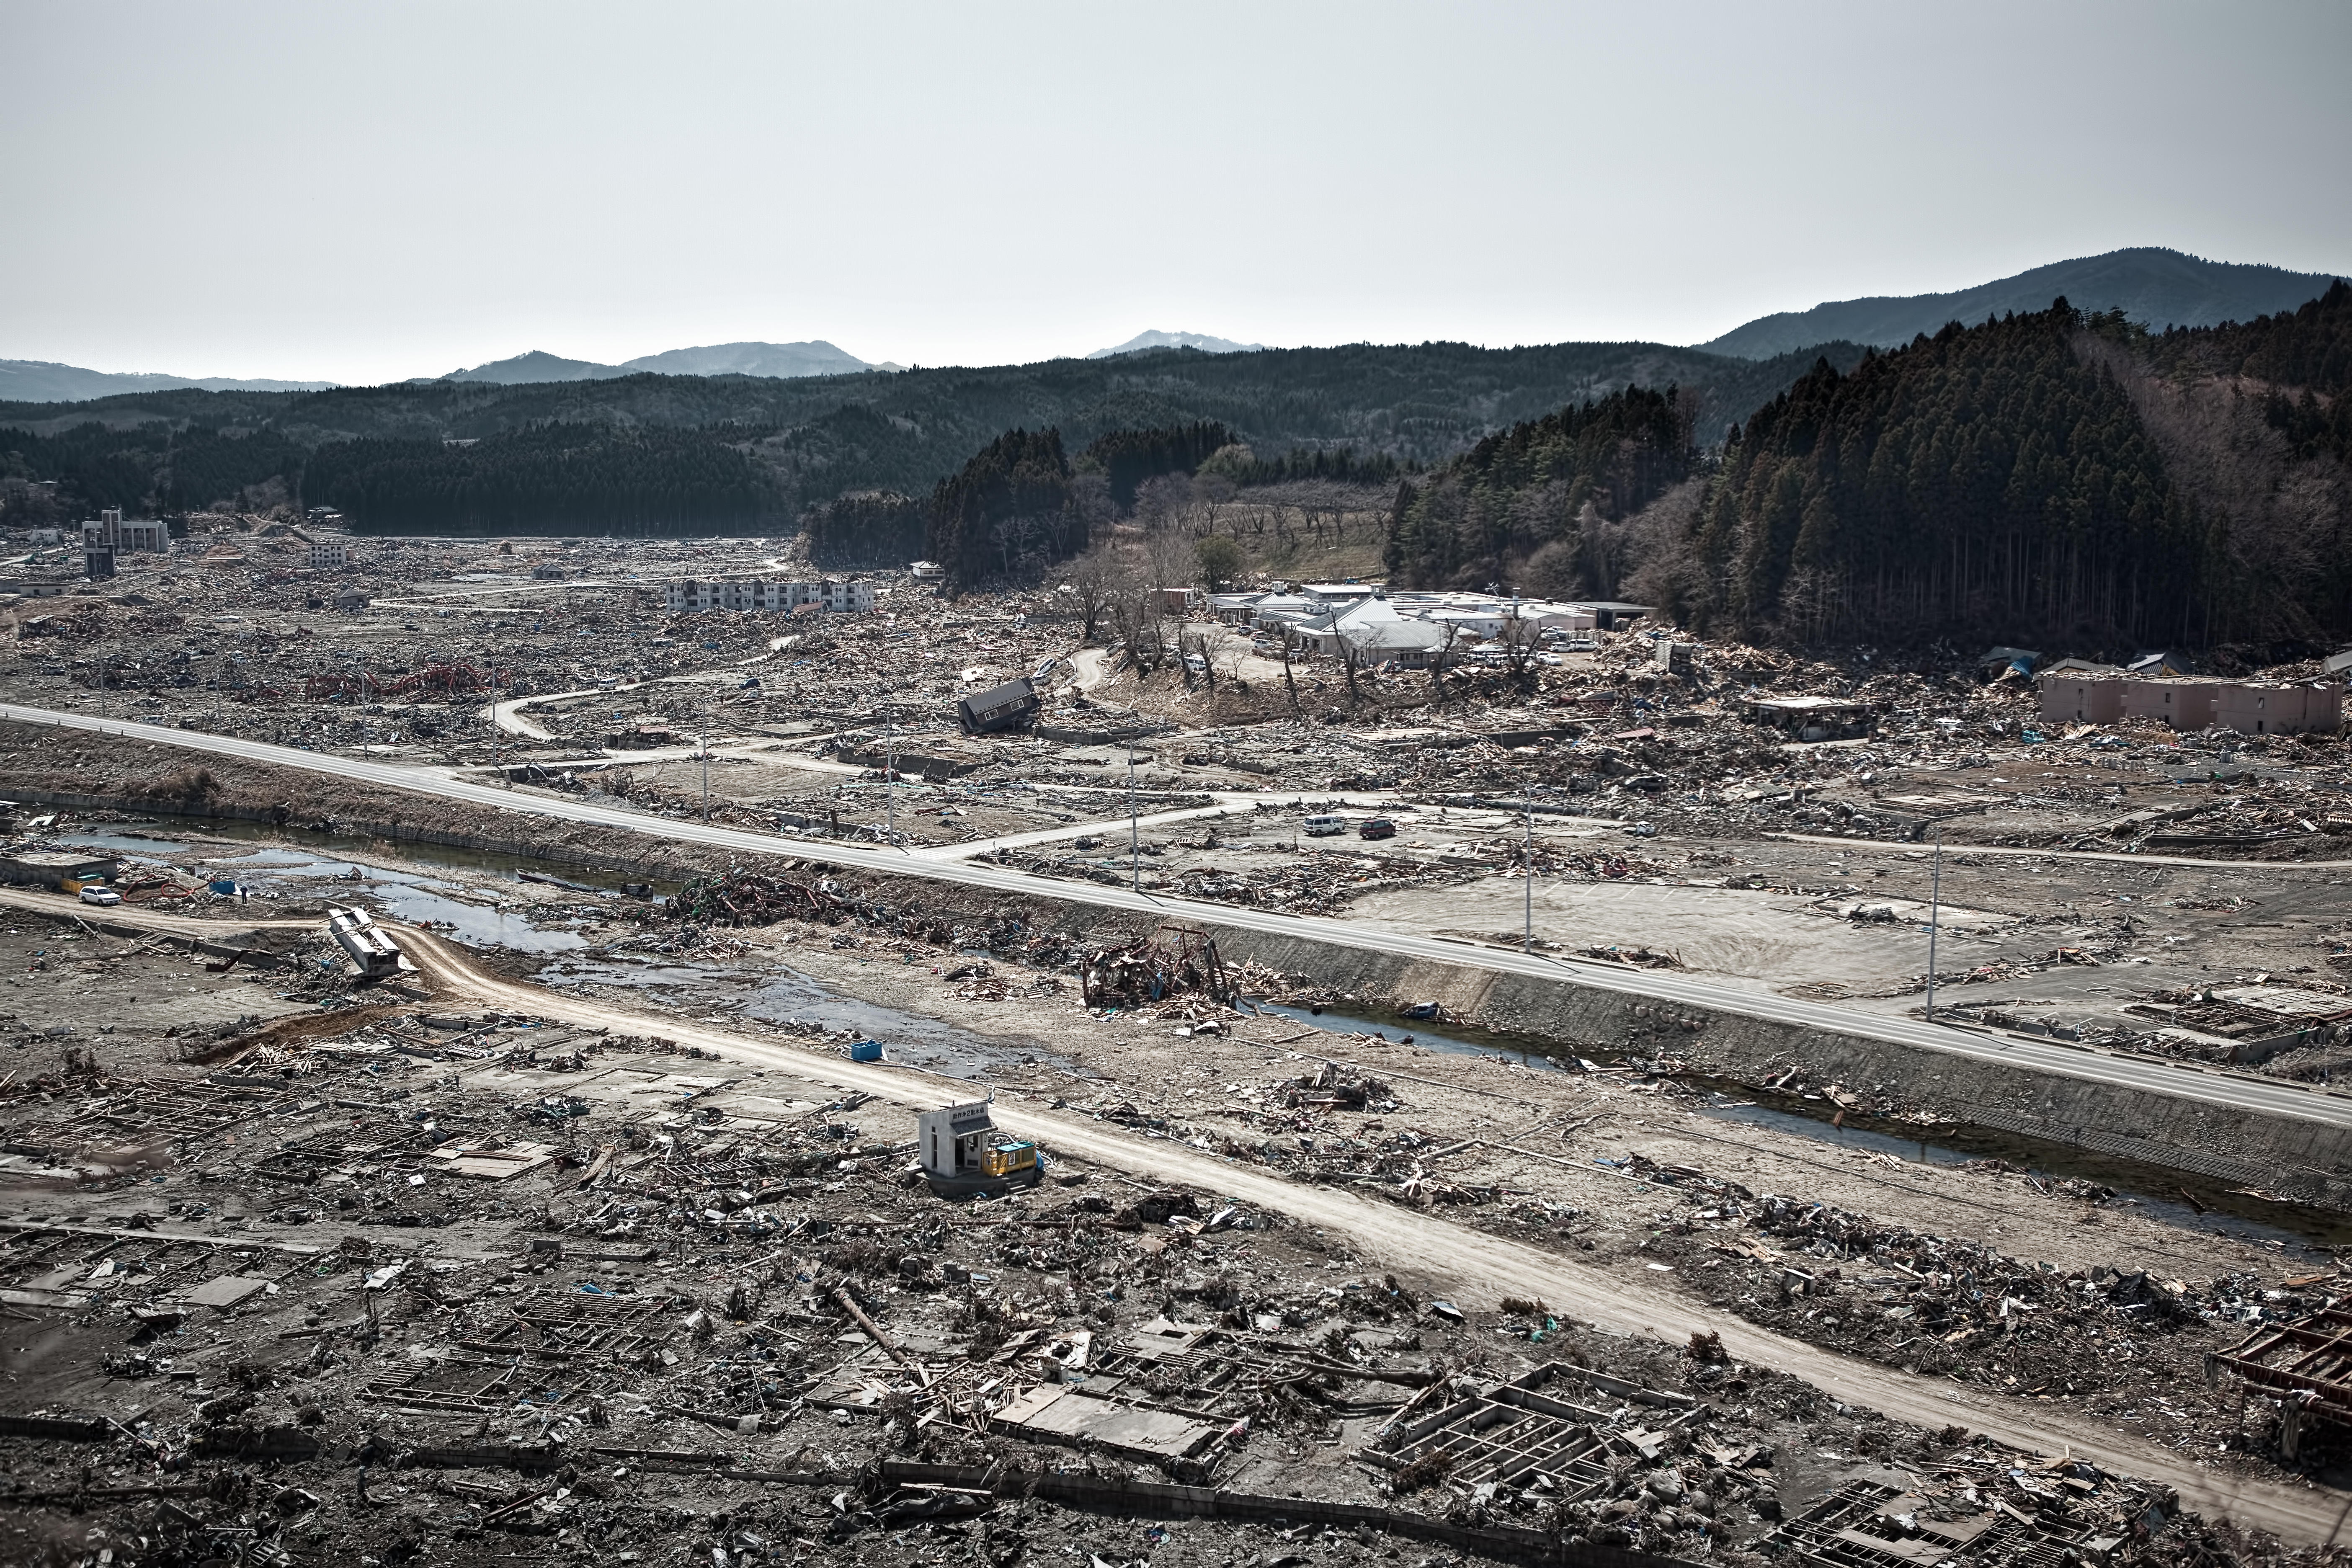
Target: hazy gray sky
(361, 193)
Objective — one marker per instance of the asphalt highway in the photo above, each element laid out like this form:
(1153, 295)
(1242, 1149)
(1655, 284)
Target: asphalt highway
(2233, 1090)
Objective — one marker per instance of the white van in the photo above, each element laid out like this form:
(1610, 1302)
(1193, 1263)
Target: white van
(1325, 826)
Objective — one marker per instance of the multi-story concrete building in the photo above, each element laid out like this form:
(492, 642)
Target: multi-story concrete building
(110, 529)
(692, 595)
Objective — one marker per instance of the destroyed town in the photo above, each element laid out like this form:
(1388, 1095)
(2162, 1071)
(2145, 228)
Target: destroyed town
(1204, 956)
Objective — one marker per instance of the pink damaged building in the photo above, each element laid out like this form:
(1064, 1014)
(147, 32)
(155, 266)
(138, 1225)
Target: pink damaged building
(2193, 702)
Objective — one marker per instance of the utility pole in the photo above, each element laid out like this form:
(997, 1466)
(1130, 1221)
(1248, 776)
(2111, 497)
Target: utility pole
(1134, 826)
(702, 744)
(889, 778)
(1935, 914)
(1528, 911)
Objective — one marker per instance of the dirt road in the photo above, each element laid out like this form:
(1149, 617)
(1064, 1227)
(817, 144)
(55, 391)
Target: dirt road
(65, 906)
(1486, 1268)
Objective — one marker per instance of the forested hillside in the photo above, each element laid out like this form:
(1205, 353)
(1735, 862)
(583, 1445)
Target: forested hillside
(697, 453)
(1013, 501)
(1991, 479)
(1563, 480)
(2302, 359)
(2154, 287)
(867, 529)
(559, 478)
(2056, 479)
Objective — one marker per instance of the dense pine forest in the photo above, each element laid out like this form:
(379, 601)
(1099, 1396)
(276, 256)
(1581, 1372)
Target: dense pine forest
(559, 476)
(1559, 483)
(1013, 501)
(868, 529)
(2051, 477)
(2056, 478)
(1128, 458)
(1991, 479)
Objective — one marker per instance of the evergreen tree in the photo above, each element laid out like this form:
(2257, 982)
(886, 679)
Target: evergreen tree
(1012, 502)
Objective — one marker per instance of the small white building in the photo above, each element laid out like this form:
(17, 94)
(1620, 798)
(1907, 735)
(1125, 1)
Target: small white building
(329, 555)
(110, 529)
(962, 1151)
(927, 571)
(1329, 596)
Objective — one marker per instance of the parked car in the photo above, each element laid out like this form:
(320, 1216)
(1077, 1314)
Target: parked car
(100, 896)
(1325, 826)
(1378, 827)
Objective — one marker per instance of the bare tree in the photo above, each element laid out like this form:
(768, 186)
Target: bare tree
(1013, 537)
(1290, 681)
(1171, 557)
(1162, 504)
(1138, 618)
(1521, 640)
(1443, 658)
(1096, 578)
(1200, 644)
(1351, 659)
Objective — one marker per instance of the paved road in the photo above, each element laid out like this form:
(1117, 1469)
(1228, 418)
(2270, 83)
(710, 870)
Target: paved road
(2120, 857)
(1107, 829)
(2233, 1090)
(1390, 1236)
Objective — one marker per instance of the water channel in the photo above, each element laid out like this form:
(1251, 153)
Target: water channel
(2175, 1198)
(269, 858)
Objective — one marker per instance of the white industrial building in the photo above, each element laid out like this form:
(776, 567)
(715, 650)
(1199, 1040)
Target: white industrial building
(1407, 626)
(692, 595)
(110, 529)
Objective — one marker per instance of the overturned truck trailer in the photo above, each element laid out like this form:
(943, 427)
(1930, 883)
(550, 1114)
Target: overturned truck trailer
(372, 953)
(1005, 707)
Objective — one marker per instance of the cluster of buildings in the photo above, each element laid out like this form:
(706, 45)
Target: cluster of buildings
(1413, 630)
(110, 534)
(690, 595)
(2192, 702)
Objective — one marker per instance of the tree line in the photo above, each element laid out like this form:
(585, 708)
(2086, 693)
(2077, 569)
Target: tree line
(2048, 478)
(1987, 481)
(555, 478)
(1346, 412)
(1560, 483)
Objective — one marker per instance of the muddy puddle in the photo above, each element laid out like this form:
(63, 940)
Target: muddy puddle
(783, 995)
(277, 862)
(2175, 1198)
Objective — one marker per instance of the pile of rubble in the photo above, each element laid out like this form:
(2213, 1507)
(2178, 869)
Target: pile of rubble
(1960, 1309)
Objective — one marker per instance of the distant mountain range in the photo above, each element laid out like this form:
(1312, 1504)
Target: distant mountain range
(1143, 341)
(783, 360)
(2157, 288)
(40, 381)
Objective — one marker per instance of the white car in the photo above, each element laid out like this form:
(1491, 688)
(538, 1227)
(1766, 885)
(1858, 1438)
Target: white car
(100, 896)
